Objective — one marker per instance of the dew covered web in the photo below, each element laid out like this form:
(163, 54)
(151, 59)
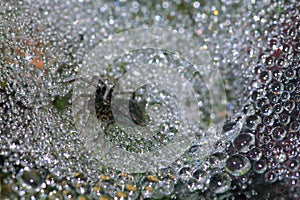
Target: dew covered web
(250, 151)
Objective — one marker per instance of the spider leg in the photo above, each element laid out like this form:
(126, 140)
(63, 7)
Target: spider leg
(92, 81)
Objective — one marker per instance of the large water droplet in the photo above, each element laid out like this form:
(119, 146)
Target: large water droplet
(237, 165)
(201, 172)
(220, 183)
(217, 159)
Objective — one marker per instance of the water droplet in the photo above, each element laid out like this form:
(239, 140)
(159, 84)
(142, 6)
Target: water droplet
(281, 62)
(265, 77)
(290, 73)
(281, 157)
(294, 126)
(270, 177)
(260, 128)
(297, 98)
(185, 172)
(284, 119)
(243, 141)
(163, 188)
(262, 102)
(237, 165)
(290, 87)
(269, 61)
(278, 133)
(192, 185)
(293, 165)
(201, 172)
(278, 108)
(268, 120)
(285, 95)
(289, 105)
(252, 121)
(220, 183)
(30, 177)
(286, 48)
(217, 159)
(273, 98)
(297, 46)
(255, 153)
(277, 74)
(260, 166)
(266, 109)
(277, 87)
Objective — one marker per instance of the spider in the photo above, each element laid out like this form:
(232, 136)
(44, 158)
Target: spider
(103, 105)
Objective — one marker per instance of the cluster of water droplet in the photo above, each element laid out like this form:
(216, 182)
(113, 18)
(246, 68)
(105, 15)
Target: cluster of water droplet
(256, 46)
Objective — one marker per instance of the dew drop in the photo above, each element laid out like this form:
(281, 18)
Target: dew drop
(218, 159)
(277, 75)
(284, 119)
(273, 98)
(265, 77)
(243, 141)
(277, 87)
(262, 102)
(289, 105)
(290, 87)
(30, 177)
(290, 73)
(281, 157)
(286, 48)
(278, 133)
(237, 165)
(201, 172)
(285, 96)
(294, 126)
(220, 183)
(270, 177)
(252, 121)
(278, 108)
(255, 153)
(269, 61)
(268, 120)
(185, 172)
(260, 166)
(266, 109)
(293, 165)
